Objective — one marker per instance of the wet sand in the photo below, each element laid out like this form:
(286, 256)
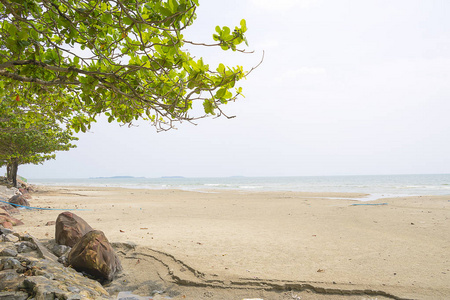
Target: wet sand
(268, 245)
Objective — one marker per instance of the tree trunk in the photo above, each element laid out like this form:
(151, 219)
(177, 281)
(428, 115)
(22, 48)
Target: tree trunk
(8, 172)
(14, 168)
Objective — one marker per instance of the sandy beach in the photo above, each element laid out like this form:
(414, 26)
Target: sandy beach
(267, 245)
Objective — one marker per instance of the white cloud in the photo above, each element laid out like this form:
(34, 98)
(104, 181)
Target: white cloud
(282, 4)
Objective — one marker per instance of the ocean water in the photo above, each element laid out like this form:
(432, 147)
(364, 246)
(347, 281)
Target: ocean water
(377, 186)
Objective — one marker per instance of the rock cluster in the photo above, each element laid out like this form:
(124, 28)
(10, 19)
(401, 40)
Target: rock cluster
(6, 220)
(11, 197)
(91, 251)
(29, 271)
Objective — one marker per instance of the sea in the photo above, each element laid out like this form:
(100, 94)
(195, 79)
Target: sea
(375, 186)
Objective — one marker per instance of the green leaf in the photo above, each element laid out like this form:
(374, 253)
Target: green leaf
(221, 68)
(23, 35)
(243, 25)
(221, 92)
(226, 31)
(208, 107)
(127, 21)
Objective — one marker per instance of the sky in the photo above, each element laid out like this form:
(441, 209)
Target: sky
(347, 87)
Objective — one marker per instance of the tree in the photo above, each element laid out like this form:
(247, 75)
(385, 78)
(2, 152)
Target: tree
(26, 138)
(123, 58)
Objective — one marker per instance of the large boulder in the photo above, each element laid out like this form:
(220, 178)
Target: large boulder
(18, 200)
(70, 228)
(94, 255)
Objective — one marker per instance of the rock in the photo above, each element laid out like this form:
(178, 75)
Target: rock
(25, 247)
(27, 261)
(50, 223)
(8, 252)
(6, 224)
(131, 296)
(9, 208)
(8, 279)
(73, 289)
(60, 250)
(25, 193)
(13, 295)
(7, 221)
(41, 249)
(44, 274)
(125, 246)
(10, 263)
(29, 277)
(4, 212)
(43, 288)
(27, 196)
(18, 200)
(94, 255)
(65, 283)
(15, 222)
(70, 228)
(10, 238)
(32, 188)
(5, 231)
(63, 260)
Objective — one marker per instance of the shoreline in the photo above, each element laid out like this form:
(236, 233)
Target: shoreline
(357, 196)
(400, 248)
(375, 185)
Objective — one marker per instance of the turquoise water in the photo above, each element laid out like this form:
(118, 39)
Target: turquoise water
(377, 185)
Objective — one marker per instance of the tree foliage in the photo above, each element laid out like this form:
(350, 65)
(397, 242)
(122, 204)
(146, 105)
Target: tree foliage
(28, 138)
(124, 58)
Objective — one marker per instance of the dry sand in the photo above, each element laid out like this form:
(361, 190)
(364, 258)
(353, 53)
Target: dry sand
(268, 245)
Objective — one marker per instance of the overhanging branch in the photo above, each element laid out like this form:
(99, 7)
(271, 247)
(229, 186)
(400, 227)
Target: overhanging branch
(35, 80)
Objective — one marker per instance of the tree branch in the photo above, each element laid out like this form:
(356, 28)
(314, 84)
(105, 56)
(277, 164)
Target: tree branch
(36, 80)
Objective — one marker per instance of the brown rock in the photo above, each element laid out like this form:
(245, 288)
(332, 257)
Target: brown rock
(6, 224)
(16, 222)
(19, 199)
(9, 208)
(5, 218)
(31, 188)
(3, 212)
(27, 196)
(50, 223)
(70, 228)
(25, 193)
(94, 255)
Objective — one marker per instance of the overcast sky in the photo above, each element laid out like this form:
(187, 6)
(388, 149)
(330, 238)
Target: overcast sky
(346, 88)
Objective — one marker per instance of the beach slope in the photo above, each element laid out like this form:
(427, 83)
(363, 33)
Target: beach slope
(255, 243)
